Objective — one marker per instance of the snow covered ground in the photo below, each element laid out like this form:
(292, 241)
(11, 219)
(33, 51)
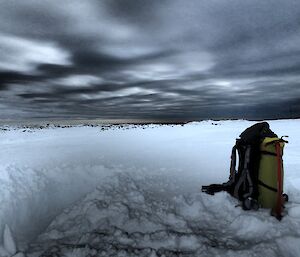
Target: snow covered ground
(135, 191)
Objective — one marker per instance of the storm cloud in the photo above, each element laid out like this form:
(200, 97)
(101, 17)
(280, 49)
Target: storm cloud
(156, 60)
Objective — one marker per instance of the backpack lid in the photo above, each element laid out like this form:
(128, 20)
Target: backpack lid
(257, 133)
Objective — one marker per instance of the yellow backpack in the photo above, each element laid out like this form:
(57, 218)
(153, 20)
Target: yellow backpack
(270, 175)
(257, 180)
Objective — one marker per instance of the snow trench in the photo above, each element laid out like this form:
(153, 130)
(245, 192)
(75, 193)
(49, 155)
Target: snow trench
(134, 215)
(31, 198)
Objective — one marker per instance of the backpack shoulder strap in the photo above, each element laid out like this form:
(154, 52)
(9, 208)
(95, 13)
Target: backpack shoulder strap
(227, 186)
(244, 177)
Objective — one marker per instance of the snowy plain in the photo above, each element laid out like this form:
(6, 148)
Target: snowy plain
(136, 191)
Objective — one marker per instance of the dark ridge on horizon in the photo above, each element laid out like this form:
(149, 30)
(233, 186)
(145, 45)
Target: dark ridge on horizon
(120, 122)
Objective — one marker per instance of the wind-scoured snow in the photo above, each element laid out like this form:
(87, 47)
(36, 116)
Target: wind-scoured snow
(135, 191)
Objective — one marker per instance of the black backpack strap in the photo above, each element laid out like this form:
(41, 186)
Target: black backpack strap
(227, 186)
(213, 188)
(233, 163)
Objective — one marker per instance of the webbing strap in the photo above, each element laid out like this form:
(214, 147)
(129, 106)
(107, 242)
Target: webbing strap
(250, 183)
(266, 186)
(268, 153)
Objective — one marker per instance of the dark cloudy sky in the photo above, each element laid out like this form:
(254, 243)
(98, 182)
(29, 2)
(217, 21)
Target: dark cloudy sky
(159, 60)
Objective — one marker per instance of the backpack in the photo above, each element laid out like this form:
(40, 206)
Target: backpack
(257, 181)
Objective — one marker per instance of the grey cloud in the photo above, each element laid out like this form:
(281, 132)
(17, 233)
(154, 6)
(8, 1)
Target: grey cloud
(150, 59)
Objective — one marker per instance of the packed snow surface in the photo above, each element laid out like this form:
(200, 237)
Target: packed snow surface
(135, 191)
